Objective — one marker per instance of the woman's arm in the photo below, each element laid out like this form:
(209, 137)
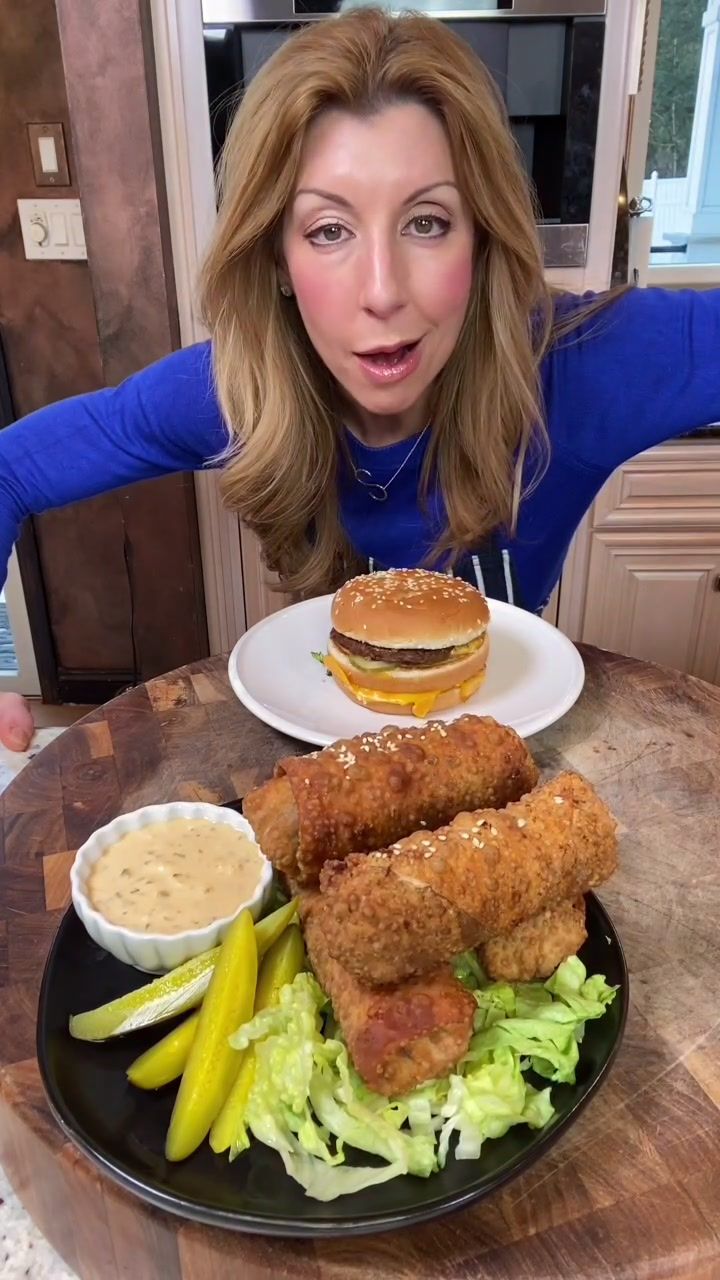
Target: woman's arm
(163, 419)
(641, 371)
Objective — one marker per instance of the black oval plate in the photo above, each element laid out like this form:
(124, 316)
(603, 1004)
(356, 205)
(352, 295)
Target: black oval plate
(123, 1129)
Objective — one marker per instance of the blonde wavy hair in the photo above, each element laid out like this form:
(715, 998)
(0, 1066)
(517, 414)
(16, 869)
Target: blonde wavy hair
(278, 398)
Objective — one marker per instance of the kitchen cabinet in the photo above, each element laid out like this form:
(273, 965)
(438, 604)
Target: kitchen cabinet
(260, 599)
(658, 598)
(644, 575)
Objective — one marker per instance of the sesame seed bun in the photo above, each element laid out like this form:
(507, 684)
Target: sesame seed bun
(410, 609)
(413, 614)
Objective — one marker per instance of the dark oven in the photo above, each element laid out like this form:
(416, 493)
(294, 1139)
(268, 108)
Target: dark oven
(545, 55)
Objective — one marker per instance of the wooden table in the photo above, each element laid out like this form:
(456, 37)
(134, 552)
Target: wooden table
(633, 1190)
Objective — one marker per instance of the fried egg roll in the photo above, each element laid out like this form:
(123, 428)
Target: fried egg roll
(535, 948)
(363, 793)
(408, 909)
(398, 1037)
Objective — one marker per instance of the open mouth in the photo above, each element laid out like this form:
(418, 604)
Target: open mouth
(389, 357)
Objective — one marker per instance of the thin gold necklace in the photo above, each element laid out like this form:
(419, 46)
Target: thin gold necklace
(379, 492)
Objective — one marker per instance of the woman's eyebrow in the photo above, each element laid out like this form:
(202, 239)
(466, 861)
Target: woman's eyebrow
(334, 198)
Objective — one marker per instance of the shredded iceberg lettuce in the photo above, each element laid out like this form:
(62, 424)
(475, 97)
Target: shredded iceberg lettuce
(309, 1104)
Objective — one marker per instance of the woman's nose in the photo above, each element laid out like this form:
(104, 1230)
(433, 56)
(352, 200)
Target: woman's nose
(382, 279)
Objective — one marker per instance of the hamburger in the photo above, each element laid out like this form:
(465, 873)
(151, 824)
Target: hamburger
(408, 641)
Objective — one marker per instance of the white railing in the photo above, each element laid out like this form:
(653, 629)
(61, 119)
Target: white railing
(671, 217)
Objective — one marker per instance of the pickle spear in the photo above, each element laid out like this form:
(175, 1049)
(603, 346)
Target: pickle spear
(175, 992)
(281, 965)
(273, 926)
(183, 988)
(165, 1061)
(213, 1064)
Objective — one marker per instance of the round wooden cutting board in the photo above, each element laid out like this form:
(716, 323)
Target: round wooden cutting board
(632, 1190)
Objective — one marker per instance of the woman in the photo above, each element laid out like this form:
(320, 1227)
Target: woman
(390, 381)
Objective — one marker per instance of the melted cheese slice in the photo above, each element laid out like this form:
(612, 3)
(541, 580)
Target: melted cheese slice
(422, 703)
(469, 687)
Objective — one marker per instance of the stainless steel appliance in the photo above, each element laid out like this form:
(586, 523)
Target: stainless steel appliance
(545, 55)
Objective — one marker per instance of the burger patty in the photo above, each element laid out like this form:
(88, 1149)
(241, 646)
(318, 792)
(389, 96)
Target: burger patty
(394, 657)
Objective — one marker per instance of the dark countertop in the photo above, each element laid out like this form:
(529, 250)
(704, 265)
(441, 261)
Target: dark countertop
(705, 433)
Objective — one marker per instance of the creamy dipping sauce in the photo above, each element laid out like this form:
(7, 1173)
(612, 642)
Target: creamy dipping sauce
(172, 876)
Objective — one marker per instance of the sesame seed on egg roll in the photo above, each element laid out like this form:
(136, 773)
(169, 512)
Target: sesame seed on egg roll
(364, 793)
(410, 908)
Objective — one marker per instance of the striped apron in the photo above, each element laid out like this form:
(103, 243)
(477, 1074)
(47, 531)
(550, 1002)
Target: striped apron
(490, 569)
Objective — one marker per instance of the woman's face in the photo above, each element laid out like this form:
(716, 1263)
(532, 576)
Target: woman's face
(378, 247)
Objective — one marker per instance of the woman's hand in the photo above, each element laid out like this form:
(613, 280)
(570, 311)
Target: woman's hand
(16, 722)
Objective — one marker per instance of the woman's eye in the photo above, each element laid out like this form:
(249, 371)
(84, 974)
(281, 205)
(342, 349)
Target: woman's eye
(429, 225)
(329, 233)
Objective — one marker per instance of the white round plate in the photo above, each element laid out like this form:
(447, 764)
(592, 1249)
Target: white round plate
(534, 675)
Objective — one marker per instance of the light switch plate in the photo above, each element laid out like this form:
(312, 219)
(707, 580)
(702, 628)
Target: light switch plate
(49, 156)
(52, 229)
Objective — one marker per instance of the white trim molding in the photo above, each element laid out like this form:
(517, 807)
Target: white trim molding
(683, 276)
(187, 155)
(618, 74)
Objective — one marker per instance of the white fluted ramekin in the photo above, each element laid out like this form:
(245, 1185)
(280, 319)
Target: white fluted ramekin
(158, 952)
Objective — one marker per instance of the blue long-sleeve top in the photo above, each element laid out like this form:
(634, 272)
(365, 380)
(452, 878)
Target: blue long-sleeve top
(642, 371)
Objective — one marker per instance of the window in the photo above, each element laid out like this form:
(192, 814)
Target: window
(8, 658)
(18, 669)
(682, 175)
